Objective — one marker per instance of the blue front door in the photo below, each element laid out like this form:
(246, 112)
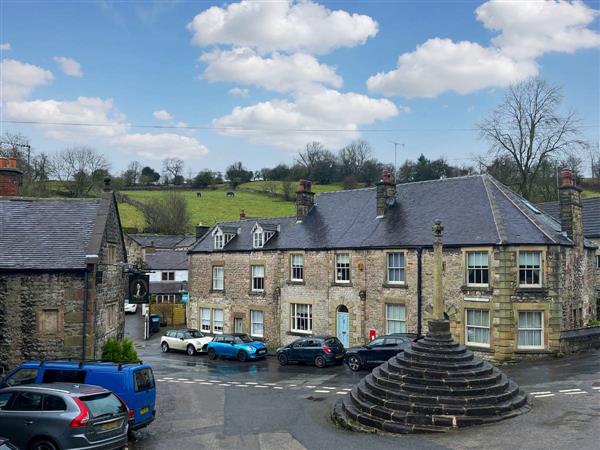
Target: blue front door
(343, 328)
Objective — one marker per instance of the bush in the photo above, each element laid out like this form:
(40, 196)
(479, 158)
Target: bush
(119, 351)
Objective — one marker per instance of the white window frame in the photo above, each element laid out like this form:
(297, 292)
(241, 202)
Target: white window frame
(296, 266)
(541, 330)
(294, 318)
(481, 268)
(539, 269)
(597, 261)
(219, 241)
(253, 277)
(204, 326)
(258, 239)
(467, 326)
(401, 268)
(338, 267)
(237, 320)
(252, 322)
(388, 320)
(214, 321)
(215, 278)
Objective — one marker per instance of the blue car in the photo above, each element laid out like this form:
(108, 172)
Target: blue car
(133, 383)
(237, 345)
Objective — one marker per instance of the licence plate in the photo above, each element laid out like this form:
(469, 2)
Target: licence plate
(109, 426)
(260, 352)
(339, 356)
(144, 410)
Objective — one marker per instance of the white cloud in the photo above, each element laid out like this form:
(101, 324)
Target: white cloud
(5, 46)
(163, 114)
(281, 26)
(441, 65)
(280, 122)
(240, 92)
(531, 28)
(69, 66)
(19, 79)
(162, 145)
(106, 119)
(280, 73)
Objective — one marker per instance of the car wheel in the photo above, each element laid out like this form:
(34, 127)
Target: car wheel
(282, 358)
(165, 347)
(354, 363)
(191, 350)
(43, 444)
(320, 362)
(212, 354)
(242, 356)
(204, 348)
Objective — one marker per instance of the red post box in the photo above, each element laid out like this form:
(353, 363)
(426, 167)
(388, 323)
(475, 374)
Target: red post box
(372, 334)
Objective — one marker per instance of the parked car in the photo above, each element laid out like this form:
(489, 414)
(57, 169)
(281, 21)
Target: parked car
(133, 383)
(63, 416)
(6, 445)
(377, 351)
(190, 341)
(237, 345)
(130, 308)
(317, 350)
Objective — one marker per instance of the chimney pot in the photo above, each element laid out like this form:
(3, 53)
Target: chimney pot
(3, 162)
(386, 177)
(566, 177)
(107, 184)
(242, 213)
(385, 190)
(12, 163)
(304, 199)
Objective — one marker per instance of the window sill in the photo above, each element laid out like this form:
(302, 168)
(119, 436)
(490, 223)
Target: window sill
(342, 284)
(525, 351)
(299, 333)
(534, 290)
(217, 291)
(467, 289)
(256, 293)
(477, 348)
(296, 282)
(395, 285)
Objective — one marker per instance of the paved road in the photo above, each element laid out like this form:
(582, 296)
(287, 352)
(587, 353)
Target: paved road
(260, 405)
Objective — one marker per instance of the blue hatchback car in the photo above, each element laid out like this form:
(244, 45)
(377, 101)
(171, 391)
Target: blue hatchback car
(237, 345)
(133, 383)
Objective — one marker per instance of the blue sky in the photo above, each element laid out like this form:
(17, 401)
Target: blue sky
(215, 82)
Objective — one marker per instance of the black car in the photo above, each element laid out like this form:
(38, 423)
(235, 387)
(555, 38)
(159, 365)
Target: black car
(378, 350)
(317, 350)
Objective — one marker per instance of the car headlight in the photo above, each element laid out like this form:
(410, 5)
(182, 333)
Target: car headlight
(250, 348)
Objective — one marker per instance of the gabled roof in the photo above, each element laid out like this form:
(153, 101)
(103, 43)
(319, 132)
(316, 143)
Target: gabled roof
(51, 234)
(474, 210)
(164, 241)
(591, 215)
(167, 260)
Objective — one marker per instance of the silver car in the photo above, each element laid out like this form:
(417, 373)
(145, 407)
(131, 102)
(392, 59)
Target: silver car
(62, 416)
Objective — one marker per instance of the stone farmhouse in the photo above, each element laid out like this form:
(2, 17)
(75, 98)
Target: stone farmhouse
(61, 284)
(357, 262)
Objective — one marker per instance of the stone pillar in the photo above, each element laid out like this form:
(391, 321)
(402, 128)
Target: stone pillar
(305, 199)
(438, 299)
(504, 328)
(385, 191)
(11, 178)
(571, 218)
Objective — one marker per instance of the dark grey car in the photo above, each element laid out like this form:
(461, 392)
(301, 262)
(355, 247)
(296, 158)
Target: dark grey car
(62, 416)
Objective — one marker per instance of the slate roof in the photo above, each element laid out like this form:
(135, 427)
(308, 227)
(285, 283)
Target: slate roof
(164, 241)
(474, 210)
(47, 234)
(167, 260)
(591, 215)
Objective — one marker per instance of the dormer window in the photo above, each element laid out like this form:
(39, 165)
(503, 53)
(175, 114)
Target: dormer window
(258, 239)
(261, 233)
(219, 241)
(222, 235)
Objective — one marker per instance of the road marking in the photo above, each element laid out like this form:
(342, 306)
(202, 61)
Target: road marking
(241, 385)
(545, 395)
(173, 381)
(327, 387)
(224, 384)
(342, 393)
(596, 387)
(260, 386)
(183, 379)
(347, 389)
(574, 393)
(541, 392)
(250, 382)
(293, 385)
(198, 380)
(322, 392)
(270, 384)
(310, 386)
(205, 383)
(189, 382)
(160, 379)
(277, 387)
(214, 381)
(168, 378)
(569, 390)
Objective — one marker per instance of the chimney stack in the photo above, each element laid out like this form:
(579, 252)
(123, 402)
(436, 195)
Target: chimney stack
(242, 214)
(107, 184)
(571, 217)
(201, 230)
(11, 178)
(305, 199)
(386, 193)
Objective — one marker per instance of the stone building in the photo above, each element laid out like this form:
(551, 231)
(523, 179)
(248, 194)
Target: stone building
(355, 262)
(61, 284)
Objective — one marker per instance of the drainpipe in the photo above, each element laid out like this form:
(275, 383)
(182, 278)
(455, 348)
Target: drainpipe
(419, 290)
(90, 263)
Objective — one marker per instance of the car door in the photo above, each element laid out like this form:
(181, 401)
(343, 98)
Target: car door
(22, 416)
(8, 421)
(295, 353)
(311, 348)
(376, 351)
(170, 339)
(391, 348)
(178, 341)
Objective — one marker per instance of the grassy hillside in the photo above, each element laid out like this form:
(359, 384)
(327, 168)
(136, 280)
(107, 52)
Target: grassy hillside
(277, 187)
(212, 207)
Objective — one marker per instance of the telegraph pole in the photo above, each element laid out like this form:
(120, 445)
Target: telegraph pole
(396, 144)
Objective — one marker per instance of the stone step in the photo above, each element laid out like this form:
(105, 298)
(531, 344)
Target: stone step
(486, 379)
(484, 369)
(403, 359)
(432, 349)
(415, 354)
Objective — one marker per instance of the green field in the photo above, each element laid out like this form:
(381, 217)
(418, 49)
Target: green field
(277, 187)
(212, 207)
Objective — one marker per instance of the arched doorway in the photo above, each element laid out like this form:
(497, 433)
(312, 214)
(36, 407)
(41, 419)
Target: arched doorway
(343, 325)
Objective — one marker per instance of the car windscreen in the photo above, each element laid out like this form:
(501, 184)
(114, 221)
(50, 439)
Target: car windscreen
(101, 404)
(23, 376)
(192, 335)
(243, 339)
(333, 342)
(143, 379)
(64, 376)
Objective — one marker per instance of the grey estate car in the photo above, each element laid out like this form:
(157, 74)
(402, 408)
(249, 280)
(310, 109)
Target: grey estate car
(62, 416)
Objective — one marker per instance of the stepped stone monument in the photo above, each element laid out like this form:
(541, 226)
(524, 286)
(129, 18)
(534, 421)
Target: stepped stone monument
(436, 385)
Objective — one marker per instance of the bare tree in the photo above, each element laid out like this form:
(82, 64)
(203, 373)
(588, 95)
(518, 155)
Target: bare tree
(174, 167)
(133, 173)
(528, 128)
(594, 156)
(353, 156)
(168, 214)
(80, 169)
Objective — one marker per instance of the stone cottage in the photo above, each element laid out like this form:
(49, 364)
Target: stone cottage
(358, 262)
(62, 285)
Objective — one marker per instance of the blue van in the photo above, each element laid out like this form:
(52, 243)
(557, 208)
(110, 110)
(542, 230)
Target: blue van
(133, 383)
